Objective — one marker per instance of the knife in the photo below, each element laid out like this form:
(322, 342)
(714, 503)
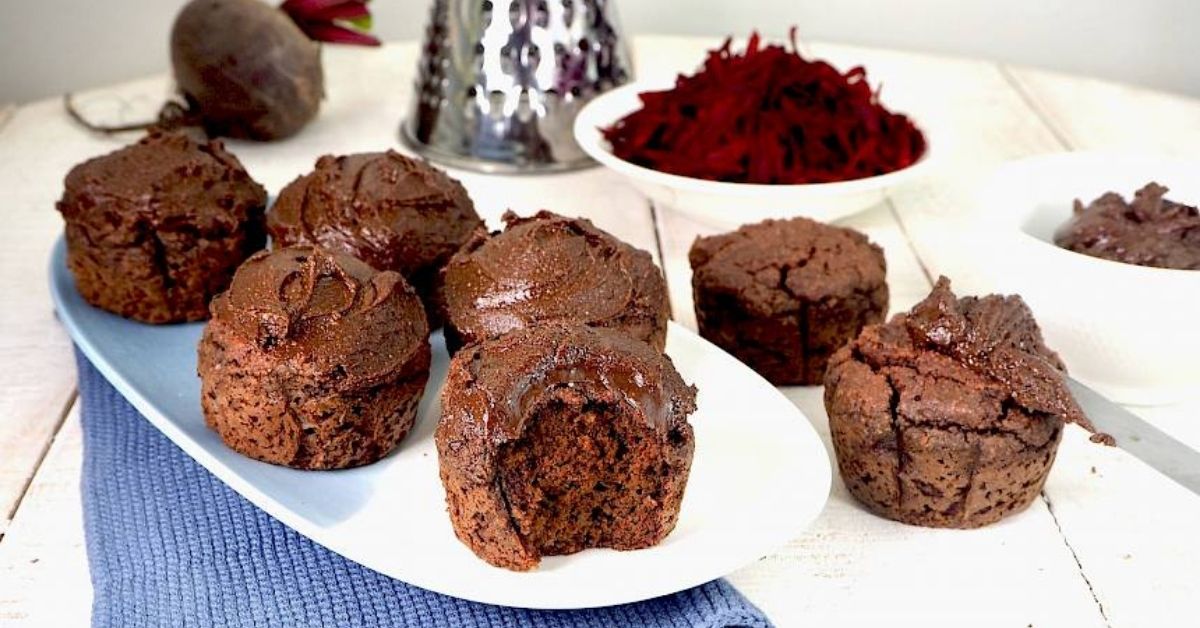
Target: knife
(1149, 444)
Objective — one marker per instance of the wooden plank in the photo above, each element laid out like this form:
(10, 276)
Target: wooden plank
(38, 374)
(850, 567)
(43, 572)
(44, 578)
(37, 147)
(1132, 531)
(1093, 114)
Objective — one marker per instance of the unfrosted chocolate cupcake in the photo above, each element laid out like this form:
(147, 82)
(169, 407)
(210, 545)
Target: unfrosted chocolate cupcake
(1150, 231)
(783, 295)
(390, 211)
(548, 268)
(313, 360)
(949, 415)
(156, 229)
(554, 439)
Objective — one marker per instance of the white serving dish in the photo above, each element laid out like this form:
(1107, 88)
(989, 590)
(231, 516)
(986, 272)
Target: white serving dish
(759, 476)
(729, 205)
(1132, 332)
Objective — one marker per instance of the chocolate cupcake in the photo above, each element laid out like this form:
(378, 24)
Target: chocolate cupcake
(313, 360)
(548, 268)
(156, 229)
(783, 295)
(949, 415)
(1150, 231)
(390, 211)
(554, 439)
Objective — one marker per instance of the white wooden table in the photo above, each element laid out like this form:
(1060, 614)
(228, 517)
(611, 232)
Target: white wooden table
(1110, 543)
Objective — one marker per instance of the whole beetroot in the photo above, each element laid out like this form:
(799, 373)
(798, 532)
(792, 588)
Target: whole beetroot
(246, 68)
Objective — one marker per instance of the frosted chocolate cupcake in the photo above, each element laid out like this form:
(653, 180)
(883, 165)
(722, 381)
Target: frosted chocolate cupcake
(949, 415)
(783, 295)
(156, 229)
(554, 439)
(314, 360)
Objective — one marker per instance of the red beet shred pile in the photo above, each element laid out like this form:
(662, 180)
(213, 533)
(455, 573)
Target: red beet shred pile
(767, 115)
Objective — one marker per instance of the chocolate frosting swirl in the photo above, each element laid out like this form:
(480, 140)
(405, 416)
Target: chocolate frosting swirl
(392, 212)
(498, 384)
(548, 268)
(166, 181)
(994, 336)
(1150, 231)
(326, 310)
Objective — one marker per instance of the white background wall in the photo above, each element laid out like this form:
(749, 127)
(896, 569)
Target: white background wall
(51, 46)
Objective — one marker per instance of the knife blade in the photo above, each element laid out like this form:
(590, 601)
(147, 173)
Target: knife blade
(1132, 433)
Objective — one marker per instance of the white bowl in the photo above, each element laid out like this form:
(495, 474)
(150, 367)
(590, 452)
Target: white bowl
(722, 204)
(1133, 332)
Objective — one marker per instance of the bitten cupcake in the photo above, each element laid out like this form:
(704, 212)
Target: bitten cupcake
(949, 415)
(548, 268)
(390, 211)
(313, 360)
(156, 229)
(554, 439)
(783, 295)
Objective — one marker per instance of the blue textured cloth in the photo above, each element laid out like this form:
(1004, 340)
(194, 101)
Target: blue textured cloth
(170, 545)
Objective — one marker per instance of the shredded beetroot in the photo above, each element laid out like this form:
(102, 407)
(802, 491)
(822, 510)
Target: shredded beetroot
(767, 115)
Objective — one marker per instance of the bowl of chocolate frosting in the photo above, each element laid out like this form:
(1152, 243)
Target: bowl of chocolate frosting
(1105, 248)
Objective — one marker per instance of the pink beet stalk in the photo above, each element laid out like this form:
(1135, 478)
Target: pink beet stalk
(333, 21)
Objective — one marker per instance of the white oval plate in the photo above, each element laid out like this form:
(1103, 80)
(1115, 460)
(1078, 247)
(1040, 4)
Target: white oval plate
(725, 204)
(759, 476)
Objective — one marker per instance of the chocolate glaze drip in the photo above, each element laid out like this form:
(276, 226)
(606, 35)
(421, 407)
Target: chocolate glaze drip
(1150, 231)
(512, 375)
(997, 336)
(326, 309)
(549, 268)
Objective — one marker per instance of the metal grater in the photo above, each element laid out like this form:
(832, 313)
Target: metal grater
(500, 82)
